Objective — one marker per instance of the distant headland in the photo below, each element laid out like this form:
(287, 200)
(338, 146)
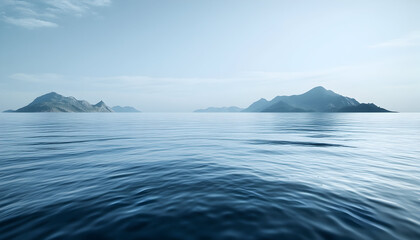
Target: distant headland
(317, 99)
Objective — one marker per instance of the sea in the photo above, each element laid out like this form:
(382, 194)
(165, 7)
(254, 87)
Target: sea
(210, 176)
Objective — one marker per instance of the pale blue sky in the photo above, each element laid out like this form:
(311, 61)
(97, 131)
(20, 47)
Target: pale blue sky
(180, 55)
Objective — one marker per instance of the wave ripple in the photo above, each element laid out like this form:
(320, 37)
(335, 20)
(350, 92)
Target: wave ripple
(209, 176)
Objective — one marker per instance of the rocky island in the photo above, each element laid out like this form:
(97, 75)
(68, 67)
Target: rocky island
(54, 102)
(317, 99)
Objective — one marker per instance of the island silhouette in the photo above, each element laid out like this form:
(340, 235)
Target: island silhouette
(54, 102)
(317, 99)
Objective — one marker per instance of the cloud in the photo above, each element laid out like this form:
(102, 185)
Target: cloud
(29, 22)
(75, 6)
(45, 13)
(36, 78)
(410, 40)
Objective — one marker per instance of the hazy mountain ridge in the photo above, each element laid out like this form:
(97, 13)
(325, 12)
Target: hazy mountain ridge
(220, 109)
(124, 109)
(54, 102)
(317, 99)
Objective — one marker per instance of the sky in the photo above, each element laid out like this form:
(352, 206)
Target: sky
(182, 55)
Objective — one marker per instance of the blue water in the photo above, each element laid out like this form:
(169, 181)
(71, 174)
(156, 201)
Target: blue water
(210, 176)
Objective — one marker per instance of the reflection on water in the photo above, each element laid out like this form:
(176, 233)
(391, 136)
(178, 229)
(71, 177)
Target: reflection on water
(194, 176)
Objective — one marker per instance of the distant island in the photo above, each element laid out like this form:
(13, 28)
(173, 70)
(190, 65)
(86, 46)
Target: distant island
(317, 99)
(54, 102)
(220, 109)
(126, 109)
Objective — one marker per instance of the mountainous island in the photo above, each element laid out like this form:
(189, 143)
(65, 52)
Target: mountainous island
(220, 109)
(126, 109)
(54, 102)
(317, 99)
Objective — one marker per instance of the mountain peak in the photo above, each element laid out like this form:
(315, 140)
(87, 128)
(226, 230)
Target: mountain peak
(262, 100)
(100, 103)
(51, 94)
(48, 97)
(318, 89)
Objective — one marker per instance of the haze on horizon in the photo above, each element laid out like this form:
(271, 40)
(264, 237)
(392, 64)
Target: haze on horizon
(185, 55)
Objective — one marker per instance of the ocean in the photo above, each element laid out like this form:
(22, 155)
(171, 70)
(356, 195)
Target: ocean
(210, 176)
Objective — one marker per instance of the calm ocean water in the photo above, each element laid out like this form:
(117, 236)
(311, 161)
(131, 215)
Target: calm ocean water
(210, 176)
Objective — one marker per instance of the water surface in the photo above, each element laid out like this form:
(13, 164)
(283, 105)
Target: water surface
(210, 176)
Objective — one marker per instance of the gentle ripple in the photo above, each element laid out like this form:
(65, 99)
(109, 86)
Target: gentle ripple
(210, 176)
